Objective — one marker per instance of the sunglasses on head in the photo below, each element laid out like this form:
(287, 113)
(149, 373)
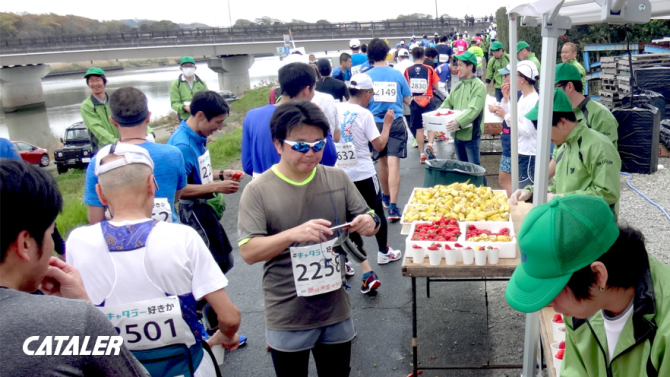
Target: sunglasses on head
(303, 147)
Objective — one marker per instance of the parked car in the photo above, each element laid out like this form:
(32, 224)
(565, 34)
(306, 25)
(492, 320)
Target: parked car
(77, 149)
(228, 96)
(32, 154)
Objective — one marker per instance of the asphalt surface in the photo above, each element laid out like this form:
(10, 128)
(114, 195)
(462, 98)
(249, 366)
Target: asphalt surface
(452, 324)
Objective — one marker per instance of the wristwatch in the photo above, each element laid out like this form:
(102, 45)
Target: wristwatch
(375, 218)
(221, 175)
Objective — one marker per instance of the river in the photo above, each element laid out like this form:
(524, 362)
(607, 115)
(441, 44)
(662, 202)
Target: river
(64, 94)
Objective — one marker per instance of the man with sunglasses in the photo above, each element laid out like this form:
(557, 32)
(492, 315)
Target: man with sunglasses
(284, 221)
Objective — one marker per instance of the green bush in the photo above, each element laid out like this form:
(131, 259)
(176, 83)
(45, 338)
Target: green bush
(226, 149)
(71, 185)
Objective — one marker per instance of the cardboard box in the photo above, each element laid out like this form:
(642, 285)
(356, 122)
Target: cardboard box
(663, 151)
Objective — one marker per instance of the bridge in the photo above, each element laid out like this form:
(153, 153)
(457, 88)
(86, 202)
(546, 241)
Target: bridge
(229, 51)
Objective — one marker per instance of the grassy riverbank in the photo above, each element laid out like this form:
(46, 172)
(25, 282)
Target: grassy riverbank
(224, 151)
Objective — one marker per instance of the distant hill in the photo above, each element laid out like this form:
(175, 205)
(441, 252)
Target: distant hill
(136, 23)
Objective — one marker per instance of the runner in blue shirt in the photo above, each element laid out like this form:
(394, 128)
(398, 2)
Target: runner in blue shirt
(358, 59)
(130, 115)
(343, 71)
(8, 150)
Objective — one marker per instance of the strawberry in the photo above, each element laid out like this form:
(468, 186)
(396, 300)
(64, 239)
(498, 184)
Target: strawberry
(415, 246)
(560, 354)
(432, 247)
(561, 345)
(446, 247)
(458, 245)
(558, 318)
(468, 248)
(238, 175)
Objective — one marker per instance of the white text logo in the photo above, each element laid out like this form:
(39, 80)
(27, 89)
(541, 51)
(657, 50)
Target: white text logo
(70, 346)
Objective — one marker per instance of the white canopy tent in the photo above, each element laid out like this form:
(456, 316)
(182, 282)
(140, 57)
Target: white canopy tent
(556, 17)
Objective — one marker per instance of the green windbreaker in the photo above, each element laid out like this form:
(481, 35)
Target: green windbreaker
(533, 59)
(96, 117)
(581, 70)
(643, 343)
(468, 95)
(492, 68)
(594, 115)
(181, 92)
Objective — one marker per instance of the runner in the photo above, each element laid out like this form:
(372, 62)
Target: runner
(358, 130)
(343, 71)
(284, 221)
(8, 150)
(329, 85)
(135, 262)
(459, 45)
(404, 61)
(444, 50)
(30, 203)
(479, 54)
(130, 115)
(184, 87)
(391, 91)
(358, 59)
(500, 60)
(569, 55)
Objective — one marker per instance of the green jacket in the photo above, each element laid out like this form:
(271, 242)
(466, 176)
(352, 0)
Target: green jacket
(588, 164)
(181, 92)
(492, 68)
(533, 59)
(643, 343)
(594, 115)
(581, 70)
(96, 118)
(468, 95)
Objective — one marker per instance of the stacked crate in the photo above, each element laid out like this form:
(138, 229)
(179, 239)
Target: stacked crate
(617, 72)
(609, 86)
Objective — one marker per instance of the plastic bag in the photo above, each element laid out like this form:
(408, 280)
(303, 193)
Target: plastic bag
(664, 135)
(638, 138)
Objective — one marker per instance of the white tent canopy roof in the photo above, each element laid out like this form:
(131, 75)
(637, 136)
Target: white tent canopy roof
(581, 11)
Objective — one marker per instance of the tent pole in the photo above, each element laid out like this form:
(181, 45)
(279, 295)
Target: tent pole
(514, 133)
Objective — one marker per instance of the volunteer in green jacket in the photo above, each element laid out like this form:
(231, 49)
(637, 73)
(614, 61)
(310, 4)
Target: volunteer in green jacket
(611, 293)
(569, 55)
(523, 53)
(499, 61)
(95, 110)
(184, 87)
(586, 163)
(469, 95)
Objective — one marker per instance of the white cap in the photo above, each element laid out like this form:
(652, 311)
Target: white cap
(403, 52)
(413, 36)
(360, 81)
(528, 69)
(435, 34)
(402, 41)
(132, 154)
(354, 43)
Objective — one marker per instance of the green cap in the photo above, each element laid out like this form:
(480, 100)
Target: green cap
(187, 59)
(467, 56)
(567, 72)
(556, 240)
(94, 71)
(496, 46)
(561, 104)
(521, 45)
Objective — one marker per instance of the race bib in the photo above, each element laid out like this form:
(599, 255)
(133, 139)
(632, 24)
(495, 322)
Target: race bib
(316, 269)
(150, 324)
(419, 86)
(356, 70)
(461, 48)
(443, 58)
(385, 91)
(162, 210)
(346, 155)
(205, 168)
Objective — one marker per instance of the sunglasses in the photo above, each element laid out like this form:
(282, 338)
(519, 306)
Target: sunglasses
(302, 147)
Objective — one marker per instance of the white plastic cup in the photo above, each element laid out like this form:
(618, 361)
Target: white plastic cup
(557, 365)
(419, 255)
(480, 257)
(493, 255)
(450, 256)
(218, 352)
(468, 256)
(554, 347)
(554, 329)
(559, 334)
(434, 256)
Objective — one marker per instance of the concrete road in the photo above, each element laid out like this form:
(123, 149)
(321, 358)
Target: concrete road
(453, 325)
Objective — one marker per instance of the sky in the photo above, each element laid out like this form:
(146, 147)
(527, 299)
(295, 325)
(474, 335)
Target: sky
(215, 12)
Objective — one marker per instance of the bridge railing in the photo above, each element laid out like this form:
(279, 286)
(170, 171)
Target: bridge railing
(137, 35)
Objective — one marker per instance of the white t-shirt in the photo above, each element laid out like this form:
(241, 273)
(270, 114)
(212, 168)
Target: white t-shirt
(527, 132)
(176, 260)
(614, 327)
(357, 126)
(327, 104)
(403, 65)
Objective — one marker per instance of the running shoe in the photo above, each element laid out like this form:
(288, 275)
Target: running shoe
(394, 214)
(430, 152)
(371, 283)
(423, 158)
(415, 144)
(350, 269)
(243, 340)
(385, 201)
(390, 256)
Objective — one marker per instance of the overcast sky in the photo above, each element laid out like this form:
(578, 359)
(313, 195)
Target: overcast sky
(215, 12)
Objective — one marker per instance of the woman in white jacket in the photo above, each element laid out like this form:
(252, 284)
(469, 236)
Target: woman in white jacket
(527, 76)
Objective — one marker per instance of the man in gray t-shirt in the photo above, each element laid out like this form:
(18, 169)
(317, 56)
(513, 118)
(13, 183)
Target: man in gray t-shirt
(284, 221)
(47, 336)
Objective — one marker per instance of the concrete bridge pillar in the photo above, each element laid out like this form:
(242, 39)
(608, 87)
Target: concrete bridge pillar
(233, 72)
(21, 86)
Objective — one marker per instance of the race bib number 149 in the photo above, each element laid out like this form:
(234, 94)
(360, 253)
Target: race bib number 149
(385, 91)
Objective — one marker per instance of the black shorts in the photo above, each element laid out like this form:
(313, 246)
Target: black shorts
(397, 143)
(416, 117)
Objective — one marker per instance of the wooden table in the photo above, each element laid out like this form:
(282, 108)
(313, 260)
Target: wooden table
(547, 337)
(460, 272)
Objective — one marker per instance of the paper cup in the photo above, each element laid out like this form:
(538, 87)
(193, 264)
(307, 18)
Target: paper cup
(450, 256)
(480, 257)
(493, 255)
(419, 255)
(554, 329)
(559, 334)
(218, 352)
(434, 256)
(468, 256)
(557, 365)
(554, 347)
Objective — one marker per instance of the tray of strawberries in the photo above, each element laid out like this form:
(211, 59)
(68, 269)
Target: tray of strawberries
(437, 120)
(441, 230)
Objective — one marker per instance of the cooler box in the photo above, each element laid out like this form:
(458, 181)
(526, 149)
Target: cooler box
(446, 172)
(434, 122)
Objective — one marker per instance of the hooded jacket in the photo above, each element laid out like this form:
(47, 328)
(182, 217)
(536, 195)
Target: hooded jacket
(468, 95)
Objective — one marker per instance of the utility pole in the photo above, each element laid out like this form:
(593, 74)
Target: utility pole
(230, 18)
(436, 17)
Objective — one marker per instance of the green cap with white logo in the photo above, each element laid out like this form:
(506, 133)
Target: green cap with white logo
(556, 240)
(561, 105)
